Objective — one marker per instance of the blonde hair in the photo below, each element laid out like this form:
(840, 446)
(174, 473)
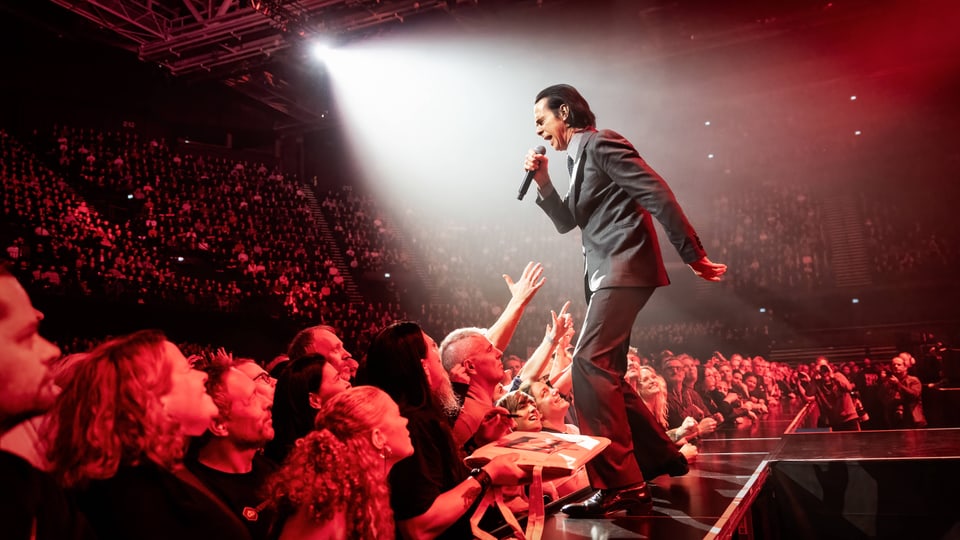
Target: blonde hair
(110, 415)
(336, 469)
(657, 403)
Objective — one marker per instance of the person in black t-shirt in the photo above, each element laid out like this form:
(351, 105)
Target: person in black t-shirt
(32, 506)
(121, 426)
(227, 459)
(432, 493)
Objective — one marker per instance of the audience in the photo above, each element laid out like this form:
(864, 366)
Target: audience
(303, 386)
(432, 492)
(119, 216)
(33, 505)
(653, 392)
(322, 340)
(900, 397)
(552, 406)
(121, 427)
(227, 458)
(478, 422)
(727, 404)
(830, 390)
(334, 482)
(682, 401)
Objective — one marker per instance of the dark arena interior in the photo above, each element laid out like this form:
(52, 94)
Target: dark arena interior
(273, 185)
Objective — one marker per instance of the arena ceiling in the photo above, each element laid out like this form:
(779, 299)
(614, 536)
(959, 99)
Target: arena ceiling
(251, 45)
(257, 47)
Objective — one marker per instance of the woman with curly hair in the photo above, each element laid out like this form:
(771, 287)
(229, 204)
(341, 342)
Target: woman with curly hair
(121, 425)
(334, 481)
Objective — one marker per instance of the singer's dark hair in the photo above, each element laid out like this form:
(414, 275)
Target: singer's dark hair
(580, 114)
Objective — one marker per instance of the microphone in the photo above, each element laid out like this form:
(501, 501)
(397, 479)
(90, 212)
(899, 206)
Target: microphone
(527, 178)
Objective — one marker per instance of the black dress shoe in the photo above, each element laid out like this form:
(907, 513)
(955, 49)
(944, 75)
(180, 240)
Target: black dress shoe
(634, 499)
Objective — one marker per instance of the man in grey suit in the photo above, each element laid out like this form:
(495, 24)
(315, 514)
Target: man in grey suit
(612, 195)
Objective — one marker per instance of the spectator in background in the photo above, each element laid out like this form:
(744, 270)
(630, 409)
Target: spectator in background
(32, 505)
(757, 392)
(900, 397)
(682, 401)
(28, 439)
(523, 409)
(512, 364)
(323, 340)
(121, 428)
(334, 483)
(726, 404)
(632, 375)
(831, 391)
(303, 386)
(228, 457)
(653, 392)
(529, 418)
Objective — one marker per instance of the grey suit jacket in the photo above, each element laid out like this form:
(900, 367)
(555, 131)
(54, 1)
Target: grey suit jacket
(612, 198)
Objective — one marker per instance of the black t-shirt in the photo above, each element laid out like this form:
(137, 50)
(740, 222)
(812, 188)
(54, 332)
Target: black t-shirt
(30, 497)
(147, 502)
(242, 492)
(434, 468)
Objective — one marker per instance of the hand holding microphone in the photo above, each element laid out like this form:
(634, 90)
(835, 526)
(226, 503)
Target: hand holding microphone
(532, 164)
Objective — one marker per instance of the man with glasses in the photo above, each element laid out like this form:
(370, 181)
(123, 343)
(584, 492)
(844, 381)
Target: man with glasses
(266, 385)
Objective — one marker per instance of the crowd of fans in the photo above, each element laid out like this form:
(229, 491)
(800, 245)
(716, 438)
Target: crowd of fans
(118, 215)
(363, 233)
(916, 249)
(151, 442)
(772, 237)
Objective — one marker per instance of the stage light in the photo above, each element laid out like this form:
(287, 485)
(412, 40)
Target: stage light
(855, 301)
(853, 98)
(386, 275)
(320, 51)
(130, 196)
(179, 259)
(709, 156)
(707, 123)
(763, 310)
(857, 132)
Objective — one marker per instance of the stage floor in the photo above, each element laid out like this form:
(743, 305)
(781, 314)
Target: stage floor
(715, 496)
(712, 496)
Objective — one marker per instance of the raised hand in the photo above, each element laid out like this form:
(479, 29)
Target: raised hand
(529, 283)
(560, 325)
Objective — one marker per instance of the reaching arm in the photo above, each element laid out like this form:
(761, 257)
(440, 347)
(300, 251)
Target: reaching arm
(533, 368)
(521, 291)
(450, 505)
(564, 381)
